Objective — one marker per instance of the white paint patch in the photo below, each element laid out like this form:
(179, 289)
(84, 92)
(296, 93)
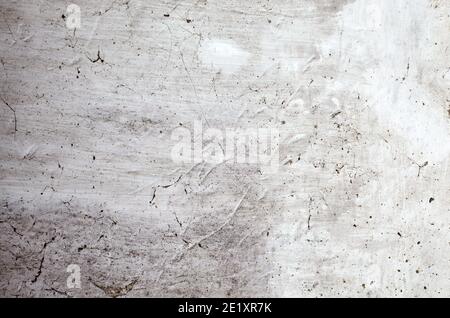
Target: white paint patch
(379, 69)
(386, 45)
(424, 130)
(223, 56)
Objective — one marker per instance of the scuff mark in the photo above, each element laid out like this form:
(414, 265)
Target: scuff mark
(13, 111)
(115, 291)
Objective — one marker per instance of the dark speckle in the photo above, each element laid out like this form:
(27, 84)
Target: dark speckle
(431, 200)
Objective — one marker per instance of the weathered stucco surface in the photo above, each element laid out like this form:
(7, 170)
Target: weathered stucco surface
(357, 89)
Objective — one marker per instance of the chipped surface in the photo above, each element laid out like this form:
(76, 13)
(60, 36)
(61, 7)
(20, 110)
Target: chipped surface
(358, 91)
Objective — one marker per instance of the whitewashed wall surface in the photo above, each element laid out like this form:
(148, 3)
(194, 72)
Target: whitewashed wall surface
(225, 148)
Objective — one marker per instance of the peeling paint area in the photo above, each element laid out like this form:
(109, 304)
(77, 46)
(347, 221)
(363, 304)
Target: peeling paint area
(225, 148)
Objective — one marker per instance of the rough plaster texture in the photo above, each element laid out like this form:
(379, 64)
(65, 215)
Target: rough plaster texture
(358, 90)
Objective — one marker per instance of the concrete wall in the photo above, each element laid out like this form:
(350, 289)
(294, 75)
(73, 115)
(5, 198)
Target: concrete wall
(95, 200)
